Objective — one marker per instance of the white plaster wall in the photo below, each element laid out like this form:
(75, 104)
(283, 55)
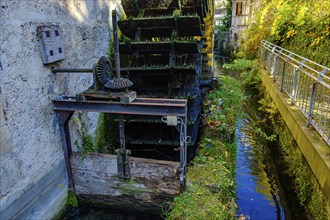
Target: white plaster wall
(30, 141)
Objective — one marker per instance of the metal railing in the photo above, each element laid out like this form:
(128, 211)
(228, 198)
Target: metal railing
(305, 82)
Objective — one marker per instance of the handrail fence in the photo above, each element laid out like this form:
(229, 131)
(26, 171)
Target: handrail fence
(307, 84)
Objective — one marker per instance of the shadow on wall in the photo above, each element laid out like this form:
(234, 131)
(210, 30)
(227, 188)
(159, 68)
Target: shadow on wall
(89, 33)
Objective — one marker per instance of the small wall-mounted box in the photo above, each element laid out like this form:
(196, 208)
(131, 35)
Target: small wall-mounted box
(51, 43)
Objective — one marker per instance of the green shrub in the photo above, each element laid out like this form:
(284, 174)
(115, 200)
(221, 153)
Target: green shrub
(302, 27)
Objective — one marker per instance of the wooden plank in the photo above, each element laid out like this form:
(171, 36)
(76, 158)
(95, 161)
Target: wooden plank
(153, 185)
(123, 97)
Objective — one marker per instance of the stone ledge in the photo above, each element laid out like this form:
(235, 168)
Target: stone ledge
(41, 198)
(315, 150)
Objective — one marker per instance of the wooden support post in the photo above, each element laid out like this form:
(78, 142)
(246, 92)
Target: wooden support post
(64, 118)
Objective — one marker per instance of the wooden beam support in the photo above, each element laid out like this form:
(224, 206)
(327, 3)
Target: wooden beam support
(152, 187)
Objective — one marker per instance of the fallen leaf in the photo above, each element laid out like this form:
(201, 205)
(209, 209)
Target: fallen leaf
(211, 158)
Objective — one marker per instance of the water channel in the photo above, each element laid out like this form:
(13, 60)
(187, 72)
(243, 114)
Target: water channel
(264, 191)
(259, 192)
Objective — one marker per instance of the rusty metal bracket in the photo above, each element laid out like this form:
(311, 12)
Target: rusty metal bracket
(124, 170)
(123, 165)
(63, 118)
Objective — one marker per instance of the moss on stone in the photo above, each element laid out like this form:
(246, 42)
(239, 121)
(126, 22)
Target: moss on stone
(133, 188)
(106, 137)
(86, 144)
(72, 199)
(309, 192)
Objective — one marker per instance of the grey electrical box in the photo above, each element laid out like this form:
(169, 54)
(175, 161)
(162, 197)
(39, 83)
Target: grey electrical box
(51, 43)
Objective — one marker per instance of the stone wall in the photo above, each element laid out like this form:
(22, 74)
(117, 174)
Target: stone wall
(33, 183)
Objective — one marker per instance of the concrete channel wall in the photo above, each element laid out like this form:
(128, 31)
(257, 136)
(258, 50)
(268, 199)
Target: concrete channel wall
(315, 150)
(33, 182)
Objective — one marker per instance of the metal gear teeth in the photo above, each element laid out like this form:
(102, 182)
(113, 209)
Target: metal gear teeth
(104, 68)
(106, 78)
(122, 83)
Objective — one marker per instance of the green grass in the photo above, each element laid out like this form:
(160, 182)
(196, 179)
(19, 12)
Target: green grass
(210, 192)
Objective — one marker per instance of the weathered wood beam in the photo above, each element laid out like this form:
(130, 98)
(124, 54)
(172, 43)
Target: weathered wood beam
(153, 185)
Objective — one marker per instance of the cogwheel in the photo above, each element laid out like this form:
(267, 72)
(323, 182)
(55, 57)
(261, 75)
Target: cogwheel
(104, 71)
(105, 76)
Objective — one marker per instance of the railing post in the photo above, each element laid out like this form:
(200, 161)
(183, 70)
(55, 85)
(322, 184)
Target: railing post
(294, 86)
(275, 64)
(265, 56)
(262, 53)
(274, 58)
(275, 67)
(283, 71)
(295, 82)
(321, 74)
(311, 105)
(282, 77)
(269, 60)
(276, 61)
(267, 65)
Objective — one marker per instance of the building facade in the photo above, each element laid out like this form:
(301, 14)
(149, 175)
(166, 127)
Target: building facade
(33, 182)
(243, 12)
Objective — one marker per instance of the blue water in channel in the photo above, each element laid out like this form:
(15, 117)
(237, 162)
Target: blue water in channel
(264, 190)
(257, 199)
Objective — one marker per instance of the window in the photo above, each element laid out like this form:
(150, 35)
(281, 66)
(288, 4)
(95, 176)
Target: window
(47, 34)
(235, 37)
(239, 8)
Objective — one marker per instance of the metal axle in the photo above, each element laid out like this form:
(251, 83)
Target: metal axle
(66, 70)
(116, 43)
